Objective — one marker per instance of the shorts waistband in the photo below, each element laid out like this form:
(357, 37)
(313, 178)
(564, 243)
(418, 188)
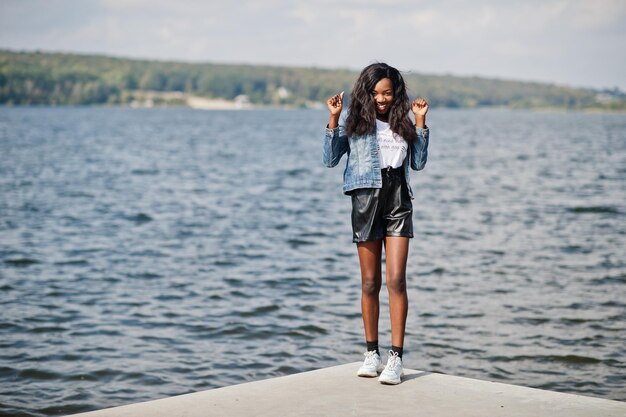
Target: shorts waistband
(391, 171)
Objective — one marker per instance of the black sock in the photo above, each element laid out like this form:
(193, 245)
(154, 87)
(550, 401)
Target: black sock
(397, 349)
(372, 346)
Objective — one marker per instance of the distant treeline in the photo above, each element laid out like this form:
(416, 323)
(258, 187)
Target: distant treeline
(28, 78)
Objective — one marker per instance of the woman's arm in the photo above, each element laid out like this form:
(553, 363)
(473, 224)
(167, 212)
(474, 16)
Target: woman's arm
(335, 105)
(420, 108)
(419, 147)
(335, 140)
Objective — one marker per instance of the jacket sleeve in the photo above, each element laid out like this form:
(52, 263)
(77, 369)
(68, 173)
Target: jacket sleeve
(419, 149)
(335, 145)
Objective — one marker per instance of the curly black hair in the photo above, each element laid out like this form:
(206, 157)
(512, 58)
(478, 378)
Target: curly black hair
(361, 117)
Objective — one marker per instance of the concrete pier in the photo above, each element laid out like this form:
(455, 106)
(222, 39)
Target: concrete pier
(337, 391)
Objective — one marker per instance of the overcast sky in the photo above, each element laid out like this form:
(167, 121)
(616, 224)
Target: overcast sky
(571, 42)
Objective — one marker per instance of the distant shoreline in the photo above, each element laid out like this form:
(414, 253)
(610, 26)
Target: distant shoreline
(225, 105)
(75, 79)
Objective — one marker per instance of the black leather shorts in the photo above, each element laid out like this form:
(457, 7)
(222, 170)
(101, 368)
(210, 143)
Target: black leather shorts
(380, 212)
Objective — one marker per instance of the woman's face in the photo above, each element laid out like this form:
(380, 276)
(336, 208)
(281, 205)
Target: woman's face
(383, 95)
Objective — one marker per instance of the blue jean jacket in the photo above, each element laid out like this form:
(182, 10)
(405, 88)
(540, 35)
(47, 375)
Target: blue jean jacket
(363, 164)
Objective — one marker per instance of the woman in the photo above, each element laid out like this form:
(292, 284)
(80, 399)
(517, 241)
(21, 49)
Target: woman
(381, 143)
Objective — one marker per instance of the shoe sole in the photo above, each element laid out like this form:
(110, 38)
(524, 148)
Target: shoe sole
(386, 382)
(367, 374)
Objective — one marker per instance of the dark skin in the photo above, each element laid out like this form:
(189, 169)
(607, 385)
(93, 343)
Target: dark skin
(396, 247)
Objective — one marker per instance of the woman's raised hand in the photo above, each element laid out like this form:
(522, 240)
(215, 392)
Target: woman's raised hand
(419, 107)
(335, 104)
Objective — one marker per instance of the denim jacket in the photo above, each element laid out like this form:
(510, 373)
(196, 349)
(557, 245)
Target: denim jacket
(363, 164)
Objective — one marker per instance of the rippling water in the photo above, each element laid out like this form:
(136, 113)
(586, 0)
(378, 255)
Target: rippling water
(148, 253)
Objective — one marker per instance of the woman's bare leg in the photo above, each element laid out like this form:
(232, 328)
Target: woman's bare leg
(371, 280)
(396, 254)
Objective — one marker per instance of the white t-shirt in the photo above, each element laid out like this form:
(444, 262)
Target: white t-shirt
(392, 147)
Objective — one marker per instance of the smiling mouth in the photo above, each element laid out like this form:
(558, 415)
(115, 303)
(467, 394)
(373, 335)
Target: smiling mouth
(381, 107)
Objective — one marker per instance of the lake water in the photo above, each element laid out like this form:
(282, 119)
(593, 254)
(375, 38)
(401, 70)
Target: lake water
(152, 252)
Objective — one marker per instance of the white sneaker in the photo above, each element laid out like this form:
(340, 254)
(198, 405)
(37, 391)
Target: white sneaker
(393, 370)
(372, 364)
